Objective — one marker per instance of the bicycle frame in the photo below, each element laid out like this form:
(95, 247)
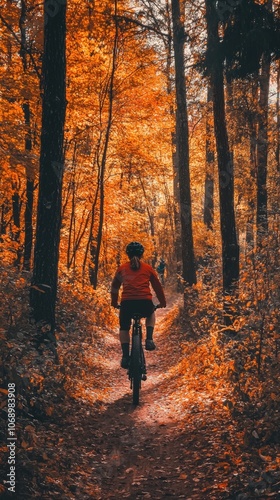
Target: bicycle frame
(137, 368)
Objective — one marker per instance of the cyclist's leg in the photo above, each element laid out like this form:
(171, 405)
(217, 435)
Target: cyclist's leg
(124, 339)
(150, 324)
(151, 320)
(125, 321)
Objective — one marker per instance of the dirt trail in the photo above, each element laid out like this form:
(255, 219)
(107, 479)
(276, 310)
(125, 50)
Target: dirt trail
(155, 450)
(85, 440)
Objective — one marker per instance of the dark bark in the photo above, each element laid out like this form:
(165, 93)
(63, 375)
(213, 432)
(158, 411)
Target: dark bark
(252, 123)
(230, 248)
(28, 215)
(209, 177)
(277, 153)
(46, 255)
(262, 150)
(182, 147)
(4, 211)
(176, 215)
(16, 203)
(95, 260)
(149, 212)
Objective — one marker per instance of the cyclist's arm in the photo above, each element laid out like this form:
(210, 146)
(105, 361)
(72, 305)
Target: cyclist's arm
(158, 289)
(116, 284)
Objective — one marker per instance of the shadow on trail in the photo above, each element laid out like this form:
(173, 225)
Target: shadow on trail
(127, 453)
(114, 451)
(135, 452)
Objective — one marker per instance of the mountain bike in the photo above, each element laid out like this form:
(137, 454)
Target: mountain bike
(137, 370)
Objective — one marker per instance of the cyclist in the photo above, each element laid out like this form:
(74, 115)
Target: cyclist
(135, 277)
(160, 269)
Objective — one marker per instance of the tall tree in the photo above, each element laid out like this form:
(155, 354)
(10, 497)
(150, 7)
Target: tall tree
(251, 36)
(182, 146)
(28, 214)
(209, 154)
(102, 167)
(45, 274)
(230, 248)
(277, 153)
(262, 144)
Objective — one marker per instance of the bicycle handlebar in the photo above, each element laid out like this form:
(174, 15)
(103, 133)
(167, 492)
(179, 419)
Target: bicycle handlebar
(156, 306)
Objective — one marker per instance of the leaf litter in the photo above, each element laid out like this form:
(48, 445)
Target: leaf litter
(78, 435)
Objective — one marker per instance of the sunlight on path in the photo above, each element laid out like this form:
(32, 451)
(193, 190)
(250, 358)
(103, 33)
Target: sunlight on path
(119, 383)
(163, 448)
(149, 451)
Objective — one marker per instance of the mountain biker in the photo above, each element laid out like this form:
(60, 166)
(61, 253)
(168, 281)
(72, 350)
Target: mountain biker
(160, 269)
(135, 277)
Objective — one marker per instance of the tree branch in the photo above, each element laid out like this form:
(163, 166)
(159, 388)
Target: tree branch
(22, 46)
(142, 25)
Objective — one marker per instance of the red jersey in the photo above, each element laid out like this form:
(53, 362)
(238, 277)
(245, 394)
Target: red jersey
(136, 284)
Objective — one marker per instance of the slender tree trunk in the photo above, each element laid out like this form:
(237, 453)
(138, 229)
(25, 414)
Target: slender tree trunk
(3, 223)
(253, 167)
(230, 248)
(150, 214)
(28, 214)
(262, 151)
(209, 178)
(104, 156)
(277, 154)
(16, 204)
(182, 144)
(46, 256)
(176, 195)
(28, 233)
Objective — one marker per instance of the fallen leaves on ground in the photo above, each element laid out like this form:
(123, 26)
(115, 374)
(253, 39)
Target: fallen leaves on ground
(193, 436)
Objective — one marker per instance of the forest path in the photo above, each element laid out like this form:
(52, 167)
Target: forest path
(161, 449)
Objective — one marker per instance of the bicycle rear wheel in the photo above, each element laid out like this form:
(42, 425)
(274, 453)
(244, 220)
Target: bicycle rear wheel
(136, 369)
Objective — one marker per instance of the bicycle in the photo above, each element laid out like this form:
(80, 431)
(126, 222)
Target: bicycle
(137, 370)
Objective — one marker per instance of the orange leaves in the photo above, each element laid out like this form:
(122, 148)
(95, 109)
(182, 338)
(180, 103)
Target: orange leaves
(183, 476)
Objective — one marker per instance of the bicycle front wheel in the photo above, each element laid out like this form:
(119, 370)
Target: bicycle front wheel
(136, 369)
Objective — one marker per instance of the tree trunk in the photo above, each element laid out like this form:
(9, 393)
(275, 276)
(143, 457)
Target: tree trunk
(253, 168)
(277, 153)
(182, 146)
(176, 216)
(209, 178)
(94, 278)
(262, 150)
(16, 204)
(28, 235)
(46, 256)
(28, 214)
(230, 248)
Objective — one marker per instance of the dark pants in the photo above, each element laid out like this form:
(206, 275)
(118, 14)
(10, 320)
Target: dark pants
(144, 307)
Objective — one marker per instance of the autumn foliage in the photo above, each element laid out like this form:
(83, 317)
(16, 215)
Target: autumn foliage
(212, 406)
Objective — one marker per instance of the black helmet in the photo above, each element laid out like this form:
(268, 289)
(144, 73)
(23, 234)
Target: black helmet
(134, 248)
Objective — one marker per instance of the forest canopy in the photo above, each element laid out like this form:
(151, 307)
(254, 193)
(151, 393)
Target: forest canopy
(168, 134)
